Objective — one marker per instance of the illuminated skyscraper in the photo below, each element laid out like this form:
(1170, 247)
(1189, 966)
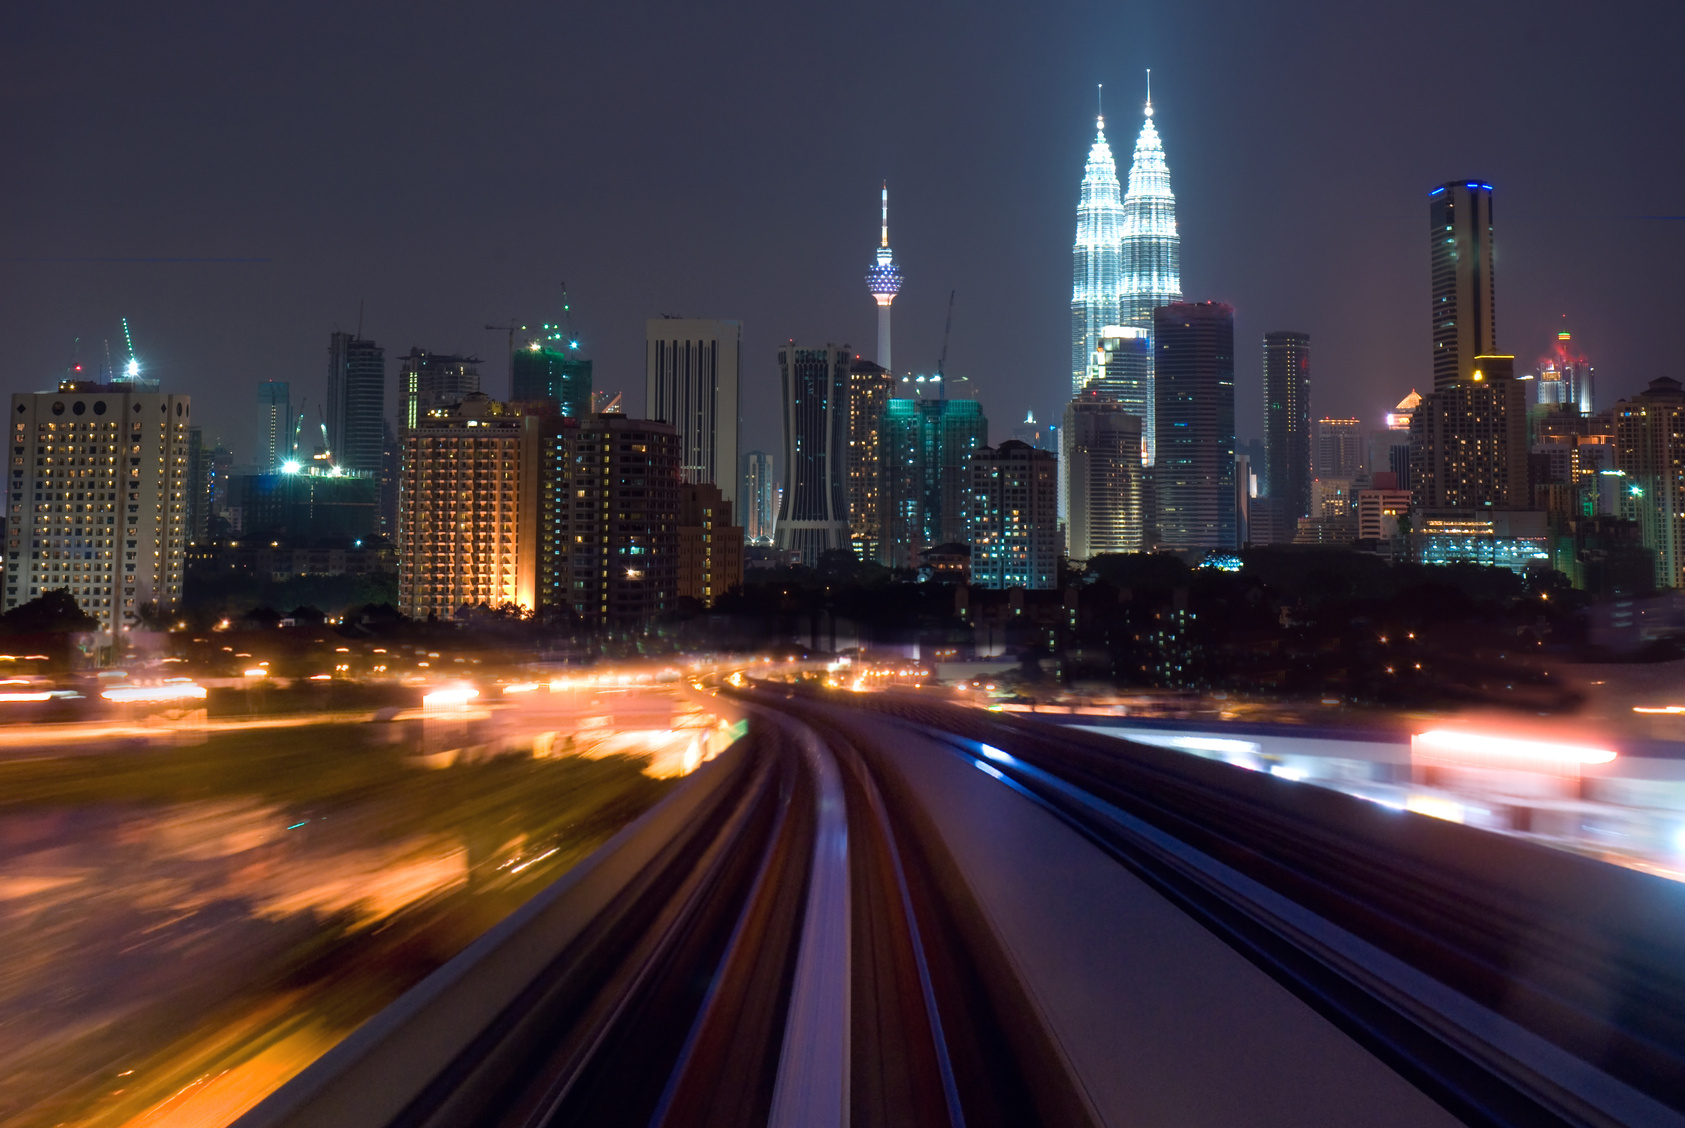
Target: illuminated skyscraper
(884, 281)
(870, 387)
(1122, 373)
(1460, 242)
(927, 445)
(1096, 258)
(550, 368)
(1195, 473)
(1287, 422)
(1151, 253)
(758, 495)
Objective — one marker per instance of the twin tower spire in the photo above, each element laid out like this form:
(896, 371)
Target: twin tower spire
(1126, 260)
(1127, 257)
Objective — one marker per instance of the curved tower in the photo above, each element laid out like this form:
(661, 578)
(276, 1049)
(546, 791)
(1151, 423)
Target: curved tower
(884, 281)
(1152, 250)
(1096, 258)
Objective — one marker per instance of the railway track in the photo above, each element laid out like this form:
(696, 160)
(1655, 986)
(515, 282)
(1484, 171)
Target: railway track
(834, 923)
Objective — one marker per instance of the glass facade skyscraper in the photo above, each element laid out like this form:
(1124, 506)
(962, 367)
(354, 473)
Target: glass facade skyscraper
(356, 402)
(1460, 240)
(814, 517)
(1195, 474)
(1127, 260)
(1097, 257)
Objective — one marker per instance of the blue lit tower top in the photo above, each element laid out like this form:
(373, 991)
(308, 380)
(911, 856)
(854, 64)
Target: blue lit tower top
(1096, 262)
(883, 279)
(1152, 250)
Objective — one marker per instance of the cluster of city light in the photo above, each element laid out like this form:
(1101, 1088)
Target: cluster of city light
(450, 696)
(1467, 749)
(169, 691)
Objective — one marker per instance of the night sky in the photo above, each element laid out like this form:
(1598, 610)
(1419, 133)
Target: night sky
(451, 165)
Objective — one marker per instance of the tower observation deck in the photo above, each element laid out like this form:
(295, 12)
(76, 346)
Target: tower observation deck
(883, 279)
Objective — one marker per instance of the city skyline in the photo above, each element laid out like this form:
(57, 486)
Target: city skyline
(429, 279)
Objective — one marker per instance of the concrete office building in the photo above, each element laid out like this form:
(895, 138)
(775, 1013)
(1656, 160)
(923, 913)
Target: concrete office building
(692, 377)
(1339, 451)
(1102, 448)
(99, 500)
(710, 545)
(429, 380)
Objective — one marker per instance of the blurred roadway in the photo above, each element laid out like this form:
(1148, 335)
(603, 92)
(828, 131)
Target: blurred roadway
(872, 911)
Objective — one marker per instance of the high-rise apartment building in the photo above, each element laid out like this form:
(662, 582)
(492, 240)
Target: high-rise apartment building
(1287, 423)
(814, 517)
(430, 380)
(550, 370)
(356, 402)
(1122, 373)
(710, 545)
(883, 279)
(274, 424)
(1460, 244)
(1096, 257)
(198, 487)
(1339, 448)
(468, 509)
(692, 375)
(1194, 390)
(611, 511)
(1650, 452)
(99, 499)
(1014, 517)
(870, 387)
(1468, 441)
(1102, 452)
(926, 474)
(759, 493)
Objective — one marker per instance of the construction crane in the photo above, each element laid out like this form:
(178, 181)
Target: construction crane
(132, 370)
(942, 361)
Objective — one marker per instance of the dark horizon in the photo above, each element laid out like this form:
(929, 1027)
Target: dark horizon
(237, 183)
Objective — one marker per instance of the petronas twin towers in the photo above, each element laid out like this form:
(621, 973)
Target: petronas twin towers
(1127, 256)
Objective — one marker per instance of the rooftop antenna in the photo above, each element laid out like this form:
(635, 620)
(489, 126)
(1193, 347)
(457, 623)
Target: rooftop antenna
(942, 362)
(360, 316)
(1100, 102)
(1149, 91)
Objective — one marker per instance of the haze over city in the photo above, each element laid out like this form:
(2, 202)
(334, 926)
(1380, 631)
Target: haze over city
(449, 169)
(864, 566)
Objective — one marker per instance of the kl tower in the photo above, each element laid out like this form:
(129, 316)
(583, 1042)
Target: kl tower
(884, 280)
